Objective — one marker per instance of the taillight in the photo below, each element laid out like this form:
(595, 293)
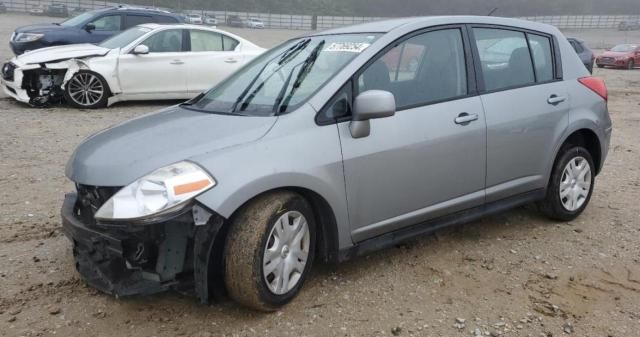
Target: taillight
(597, 85)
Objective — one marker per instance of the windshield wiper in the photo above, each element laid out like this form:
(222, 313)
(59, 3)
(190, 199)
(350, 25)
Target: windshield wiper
(282, 102)
(285, 56)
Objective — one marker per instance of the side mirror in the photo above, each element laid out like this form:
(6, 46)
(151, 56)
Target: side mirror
(372, 104)
(140, 50)
(89, 27)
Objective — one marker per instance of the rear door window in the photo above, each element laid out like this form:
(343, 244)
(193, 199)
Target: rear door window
(165, 19)
(542, 57)
(505, 58)
(131, 20)
(205, 41)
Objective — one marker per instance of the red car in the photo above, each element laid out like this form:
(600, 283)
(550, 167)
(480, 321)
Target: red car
(620, 56)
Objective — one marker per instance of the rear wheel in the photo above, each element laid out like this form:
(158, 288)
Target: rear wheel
(600, 66)
(269, 250)
(87, 90)
(571, 184)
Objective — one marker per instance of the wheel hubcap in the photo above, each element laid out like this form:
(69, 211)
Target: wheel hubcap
(85, 89)
(286, 253)
(575, 184)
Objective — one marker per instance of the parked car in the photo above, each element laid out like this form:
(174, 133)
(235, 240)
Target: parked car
(57, 9)
(37, 10)
(255, 23)
(149, 61)
(210, 20)
(235, 21)
(316, 150)
(621, 56)
(629, 25)
(89, 27)
(195, 19)
(584, 52)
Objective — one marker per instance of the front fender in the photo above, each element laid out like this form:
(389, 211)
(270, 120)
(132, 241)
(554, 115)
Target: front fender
(309, 158)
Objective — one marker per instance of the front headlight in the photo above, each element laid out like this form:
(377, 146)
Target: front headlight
(27, 37)
(163, 191)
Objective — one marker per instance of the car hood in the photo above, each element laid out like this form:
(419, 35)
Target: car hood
(121, 154)
(40, 28)
(60, 53)
(614, 54)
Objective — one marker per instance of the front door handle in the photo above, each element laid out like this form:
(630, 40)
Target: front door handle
(177, 62)
(230, 60)
(555, 99)
(465, 118)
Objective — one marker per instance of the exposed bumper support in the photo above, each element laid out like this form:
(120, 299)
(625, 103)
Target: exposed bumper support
(143, 260)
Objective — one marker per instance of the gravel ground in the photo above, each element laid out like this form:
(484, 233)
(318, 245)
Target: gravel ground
(515, 274)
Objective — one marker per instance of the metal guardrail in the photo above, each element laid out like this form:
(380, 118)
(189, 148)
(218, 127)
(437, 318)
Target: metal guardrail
(309, 22)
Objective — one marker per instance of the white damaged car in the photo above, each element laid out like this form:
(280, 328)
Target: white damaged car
(146, 62)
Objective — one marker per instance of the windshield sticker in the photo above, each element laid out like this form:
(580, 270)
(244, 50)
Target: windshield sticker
(350, 47)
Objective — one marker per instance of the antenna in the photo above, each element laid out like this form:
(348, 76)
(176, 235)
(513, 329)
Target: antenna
(492, 11)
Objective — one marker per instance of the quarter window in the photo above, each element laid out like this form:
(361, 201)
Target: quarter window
(505, 58)
(167, 41)
(229, 44)
(542, 57)
(424, 69)
(109, 23)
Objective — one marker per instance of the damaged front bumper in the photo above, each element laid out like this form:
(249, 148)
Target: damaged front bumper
(130, 259)
(33, 84)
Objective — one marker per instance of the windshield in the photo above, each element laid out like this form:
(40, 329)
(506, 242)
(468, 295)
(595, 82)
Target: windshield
(285, 77)
(125, 38)
(623, 48)
(77, 20)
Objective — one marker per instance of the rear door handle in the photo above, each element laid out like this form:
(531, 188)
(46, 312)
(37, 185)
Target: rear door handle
(230, 60)
(465, 118)
(555, 99)
(177, 62)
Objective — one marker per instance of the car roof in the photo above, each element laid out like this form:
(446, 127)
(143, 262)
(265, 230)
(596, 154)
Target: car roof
(387, 26)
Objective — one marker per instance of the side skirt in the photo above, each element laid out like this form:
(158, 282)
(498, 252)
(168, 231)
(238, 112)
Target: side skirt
(428, 227)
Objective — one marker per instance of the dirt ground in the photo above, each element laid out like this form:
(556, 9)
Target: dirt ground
(515, 274)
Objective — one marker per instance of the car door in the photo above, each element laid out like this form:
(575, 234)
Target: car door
(161, 72)
(213, 56)
(105, 27)
(526, 107)
(429, 159)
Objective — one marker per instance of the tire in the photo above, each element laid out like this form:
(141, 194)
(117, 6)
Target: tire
(76, 95)
(631, 64)
(560, 207)
(253, 230)
(600, 66)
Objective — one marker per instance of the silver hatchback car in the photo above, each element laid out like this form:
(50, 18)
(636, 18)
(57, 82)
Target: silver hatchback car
(331, 146)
